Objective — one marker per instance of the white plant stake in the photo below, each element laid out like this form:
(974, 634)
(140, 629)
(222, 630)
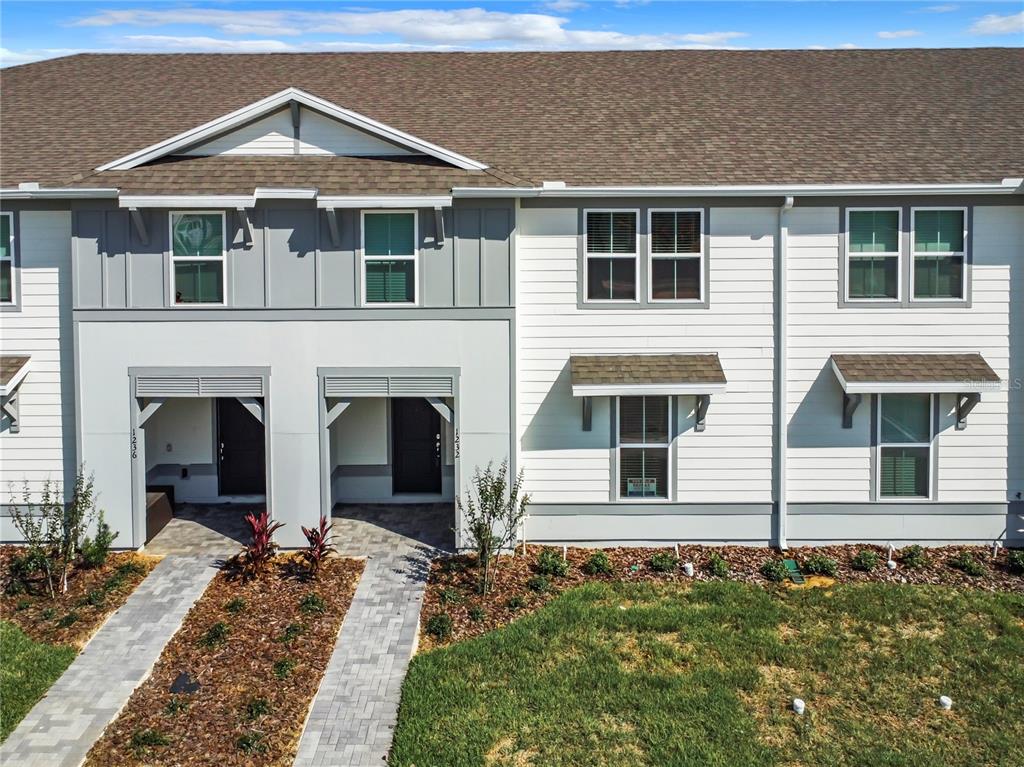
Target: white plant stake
(676, 547)
(688, 569)
(565, 553)
(891, 564)
(798, 706)
(946, 702)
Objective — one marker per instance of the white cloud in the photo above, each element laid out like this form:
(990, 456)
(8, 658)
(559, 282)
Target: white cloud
(425, 28)
(994, 24)
(899, 34)
(945, 8)
(849, 46)
(564, 6)
(844, 46)
(9, 58)
(207, 44)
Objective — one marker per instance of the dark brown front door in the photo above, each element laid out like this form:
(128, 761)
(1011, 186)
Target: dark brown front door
(241, 450)
(416, 446)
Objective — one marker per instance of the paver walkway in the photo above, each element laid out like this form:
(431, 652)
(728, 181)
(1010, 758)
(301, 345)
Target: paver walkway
(61, 728)
(355, 710)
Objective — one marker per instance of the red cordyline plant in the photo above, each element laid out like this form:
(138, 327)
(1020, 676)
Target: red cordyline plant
(262, 548)
(318, 547)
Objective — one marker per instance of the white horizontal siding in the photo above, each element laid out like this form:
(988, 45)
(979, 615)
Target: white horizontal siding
(323, 135)
(271, 135)
(831, 464)
(36, 454)
(731, 460)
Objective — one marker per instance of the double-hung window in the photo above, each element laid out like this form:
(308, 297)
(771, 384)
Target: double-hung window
(644, 440)
(389, 257)
(610, 255)
(939, 253)
(6, 258)
(904, 446)
(873, 254)
(198, 258)
(676, 253)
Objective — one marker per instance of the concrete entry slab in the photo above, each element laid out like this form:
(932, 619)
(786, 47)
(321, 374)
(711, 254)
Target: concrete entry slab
(212, 531)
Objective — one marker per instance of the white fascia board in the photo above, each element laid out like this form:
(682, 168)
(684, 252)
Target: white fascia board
(651, 390)
(11, 386)
(57, 193)
(284, 193)
(274, 102)
(913, 387)
(1007, 186)
(215, 201)
(386, 201)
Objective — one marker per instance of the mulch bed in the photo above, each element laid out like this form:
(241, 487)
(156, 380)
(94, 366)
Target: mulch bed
(452, 583)
(257, 677)
(72, 618)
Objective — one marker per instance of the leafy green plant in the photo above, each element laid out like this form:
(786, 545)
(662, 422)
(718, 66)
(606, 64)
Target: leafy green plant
(717, 566)
(48, 614)
(538, 583)
(550, 563)
(476, 613)
(598, 564)
(94, 551)
(493, 518)
(865, 560)
(913, 557)
(176, 705)
(283, 668)
(450, 596)
(1015, 561)
(663, 562)
(439, 626)
(96, 598)
(21, 570)
(23, 604)
(251, 743)
(819, 564)
(313, 604)
(236, 605)
(967, 564)
(70, 619)
(256, 707)
(774, 570)
(453, 565)
(517, 602)
(216, 635)
(145, 739)
(291, 632)
(131, 568)
(114, 582)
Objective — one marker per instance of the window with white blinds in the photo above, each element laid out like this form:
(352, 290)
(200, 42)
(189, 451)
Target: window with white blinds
(676, 255)
(873, 253)
(611, 255)
(905, 438)
(939, 253)
(644, 437)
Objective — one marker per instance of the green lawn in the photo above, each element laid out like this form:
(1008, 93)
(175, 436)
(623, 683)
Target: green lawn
(27, 669)
(644, 674)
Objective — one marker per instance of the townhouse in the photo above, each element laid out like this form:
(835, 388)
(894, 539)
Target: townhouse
(751, 297)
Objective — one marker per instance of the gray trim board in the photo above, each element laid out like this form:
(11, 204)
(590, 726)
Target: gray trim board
(655, 508)
(245, 314)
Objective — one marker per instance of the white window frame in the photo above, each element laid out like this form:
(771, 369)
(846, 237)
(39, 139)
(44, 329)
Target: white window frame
(930, 444)
(223, 257)
(670, 468)
(934, 253)
(651, 256)
(415, 258)
(898, 255)
(635, 255)
(11, 257)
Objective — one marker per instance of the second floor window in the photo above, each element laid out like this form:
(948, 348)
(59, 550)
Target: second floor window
(6, 258)
(198, 258)
(873, 255)
(939, 253)
(610, 255)
(677, 248)
(389, 257)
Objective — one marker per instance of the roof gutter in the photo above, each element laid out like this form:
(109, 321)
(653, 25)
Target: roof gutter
(26, 192)
(559, 189)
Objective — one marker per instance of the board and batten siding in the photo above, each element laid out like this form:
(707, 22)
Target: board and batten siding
(829, 464)
(731, 461)
(41, 328)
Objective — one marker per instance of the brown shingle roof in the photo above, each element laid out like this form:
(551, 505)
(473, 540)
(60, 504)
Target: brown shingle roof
(10, 364)
(640, 369)
(614, 118)
(914, 368)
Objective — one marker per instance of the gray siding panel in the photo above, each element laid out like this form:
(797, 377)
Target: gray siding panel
(291, 237)
(87, 249)
(147, 268)
(436, 263)
(495, 257)
(337, 263)
(246, 261)
(115, 260)
(467, 256)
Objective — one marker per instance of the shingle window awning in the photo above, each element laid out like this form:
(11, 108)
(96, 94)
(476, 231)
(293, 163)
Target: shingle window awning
(646, 374)
(13, 369)
(966, 375)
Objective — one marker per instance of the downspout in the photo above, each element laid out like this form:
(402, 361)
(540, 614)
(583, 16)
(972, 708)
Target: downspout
(782, 373)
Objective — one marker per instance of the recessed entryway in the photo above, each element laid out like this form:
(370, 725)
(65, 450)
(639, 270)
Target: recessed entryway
(241, 450)
(416, 446)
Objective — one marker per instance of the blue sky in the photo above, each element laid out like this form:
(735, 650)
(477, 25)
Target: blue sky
(34, 29)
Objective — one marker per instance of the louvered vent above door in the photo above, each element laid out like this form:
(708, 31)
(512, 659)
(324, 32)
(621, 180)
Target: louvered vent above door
(199, 386)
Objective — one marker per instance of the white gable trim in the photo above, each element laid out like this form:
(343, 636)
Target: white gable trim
(272, 103)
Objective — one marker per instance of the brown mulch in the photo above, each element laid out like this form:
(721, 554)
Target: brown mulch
(204, 727)
(452, 583)
(72, 618)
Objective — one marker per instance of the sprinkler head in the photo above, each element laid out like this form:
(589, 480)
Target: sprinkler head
(945, 702)
(799, 706)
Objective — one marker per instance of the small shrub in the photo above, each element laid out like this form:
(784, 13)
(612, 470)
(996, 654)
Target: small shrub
(663, 562)
(131, 568)
(967, 564)
(96, 598)
(516, 603)
(439, 626)
(819, 564)
(216, 635)
(257, 707)
(261, 548)
(236, 606)
(48, 614)
(492, 517)
(717, 566)
(176, 705)
(23, 604)
(22, 568)
(476, 613)
(251, 743)
(292, 632)
(94, 551)
(774, 570)
(143, 740)
(598, 564)
(551, 563)
(450, 596)
(913, 557)
(865, 560)
(113, 583)
(453, 565)
(538, 583)
(313, 604)
(14, 587)
(318, 545)
(68, 620)
(283, 668)
(1015, 561)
